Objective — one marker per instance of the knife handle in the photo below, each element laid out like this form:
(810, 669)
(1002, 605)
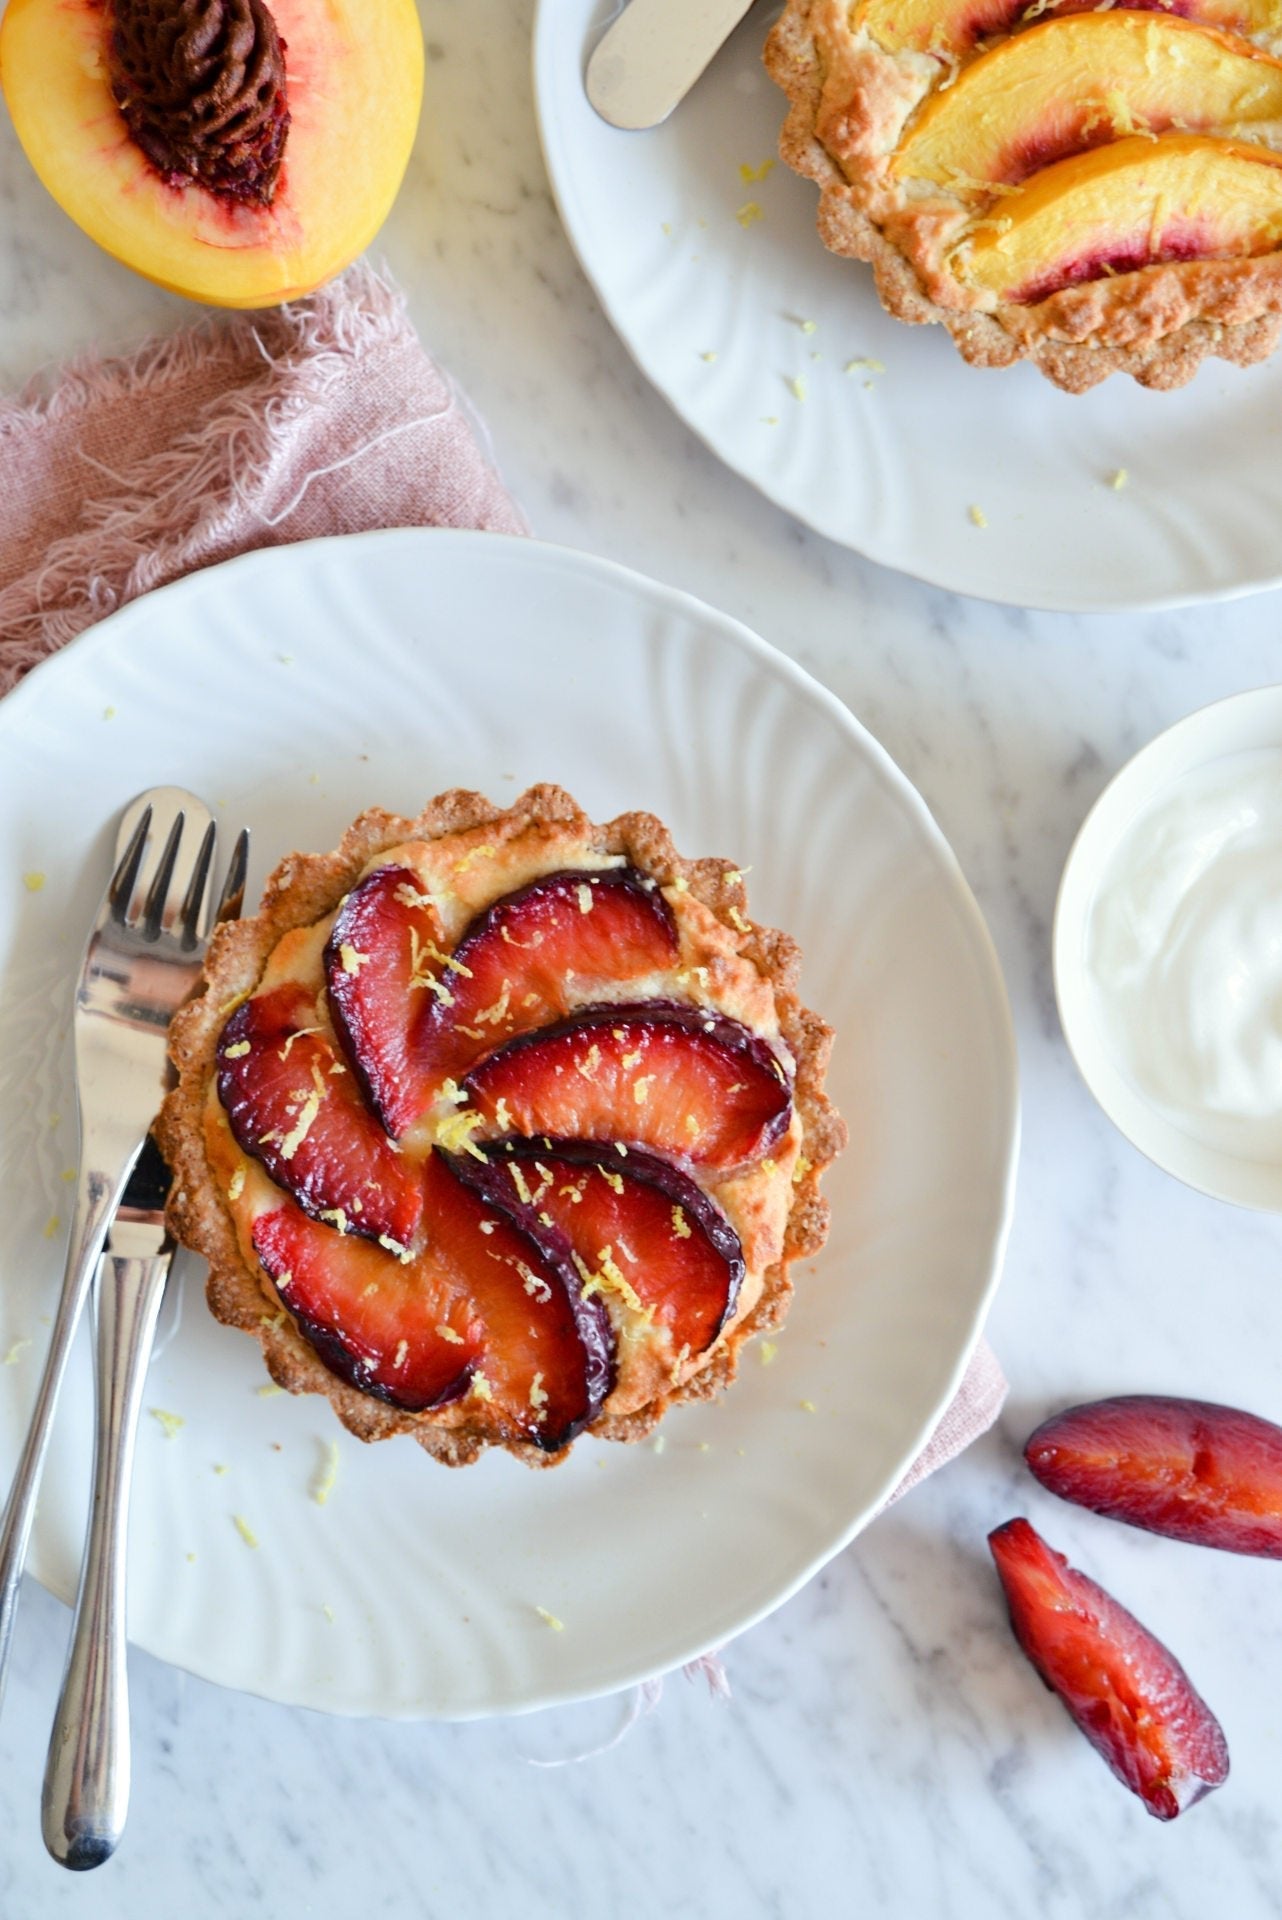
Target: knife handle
(86, 1785)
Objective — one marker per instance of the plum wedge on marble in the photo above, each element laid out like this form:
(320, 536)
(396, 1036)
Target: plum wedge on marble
(295, 1108)
(412, 1016)
(633, 1224)
(1129, 1695)
(1190, 1469)
(479, 1309)
(678, 1080)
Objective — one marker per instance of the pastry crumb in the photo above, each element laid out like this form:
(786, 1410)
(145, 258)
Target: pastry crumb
(169, 1423)
(659, 1444)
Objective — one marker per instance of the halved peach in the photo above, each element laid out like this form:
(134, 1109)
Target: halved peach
(950, 27)
(1125, 206)
(354, 82)
(1067, 85)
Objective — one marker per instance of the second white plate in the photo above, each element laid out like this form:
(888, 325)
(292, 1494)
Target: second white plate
(294, 687)
(875, 433)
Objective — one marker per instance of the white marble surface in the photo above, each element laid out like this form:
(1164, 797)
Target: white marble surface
(887, 1751)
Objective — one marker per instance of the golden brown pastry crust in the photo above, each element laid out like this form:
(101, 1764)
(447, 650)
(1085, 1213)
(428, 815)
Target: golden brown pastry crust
(306, 887)
(1157, 324)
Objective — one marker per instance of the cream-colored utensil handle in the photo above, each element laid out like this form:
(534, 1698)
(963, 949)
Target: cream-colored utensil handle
(653, 54)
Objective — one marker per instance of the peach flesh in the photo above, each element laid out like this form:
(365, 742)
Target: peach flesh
(1129, 205)
(1070, 84)
(926, 26)
(354, 75)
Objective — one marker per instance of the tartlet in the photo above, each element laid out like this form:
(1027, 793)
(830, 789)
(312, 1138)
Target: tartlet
(496, 1126)
(1097, 189)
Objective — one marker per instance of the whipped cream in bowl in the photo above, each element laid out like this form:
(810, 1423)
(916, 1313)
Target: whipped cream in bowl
(1168, 949)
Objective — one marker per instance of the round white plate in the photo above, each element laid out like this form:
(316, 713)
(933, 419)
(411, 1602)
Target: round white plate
(718, 315)
(1244, 723)
(293, 688)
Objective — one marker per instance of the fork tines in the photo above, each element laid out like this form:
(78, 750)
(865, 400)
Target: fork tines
(193, 919)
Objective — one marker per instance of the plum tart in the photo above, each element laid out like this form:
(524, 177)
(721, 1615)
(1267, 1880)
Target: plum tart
(499, 1126)
(1095, 188)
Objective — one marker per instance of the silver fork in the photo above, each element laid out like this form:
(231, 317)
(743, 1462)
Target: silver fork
(143, 959)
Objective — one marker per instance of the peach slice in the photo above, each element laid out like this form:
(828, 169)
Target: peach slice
(1124, 206)
(354, 82)
(926, 26)
(1067, 85)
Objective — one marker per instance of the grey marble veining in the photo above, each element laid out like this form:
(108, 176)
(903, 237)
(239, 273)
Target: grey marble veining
(887, 1752)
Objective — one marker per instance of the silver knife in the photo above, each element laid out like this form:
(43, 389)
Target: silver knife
(87, 1773)
(653, 54)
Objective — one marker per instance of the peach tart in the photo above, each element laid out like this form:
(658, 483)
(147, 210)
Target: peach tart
(1095, 189)
(241, 152)
(496, 1127)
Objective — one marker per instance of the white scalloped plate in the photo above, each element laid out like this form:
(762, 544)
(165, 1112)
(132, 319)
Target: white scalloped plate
(890, 463)
(295, 687)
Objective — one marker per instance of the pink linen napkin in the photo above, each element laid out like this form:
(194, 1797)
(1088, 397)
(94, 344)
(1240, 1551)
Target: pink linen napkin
(254, 430)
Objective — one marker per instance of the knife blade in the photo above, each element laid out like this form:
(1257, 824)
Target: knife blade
(651, 56)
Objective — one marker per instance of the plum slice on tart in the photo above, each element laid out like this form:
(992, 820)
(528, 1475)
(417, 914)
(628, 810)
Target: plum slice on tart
(636, 1228)
(294, 1107)
(504, 1230)
(478, 1309)
(412, 1016)
(681, 1081)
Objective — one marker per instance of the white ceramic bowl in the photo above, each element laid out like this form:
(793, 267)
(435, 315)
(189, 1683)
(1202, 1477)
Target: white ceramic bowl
(1246, 721)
